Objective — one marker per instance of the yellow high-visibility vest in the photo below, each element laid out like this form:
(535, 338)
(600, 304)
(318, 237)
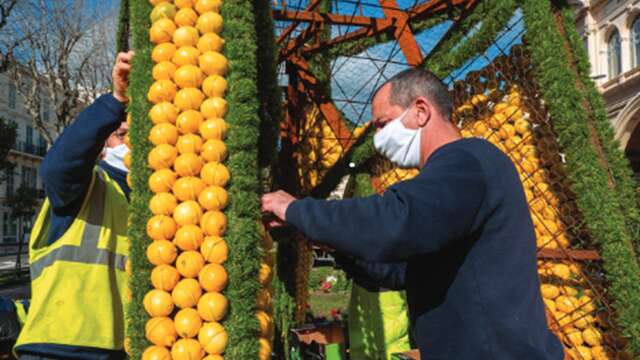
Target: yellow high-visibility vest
(79, 283)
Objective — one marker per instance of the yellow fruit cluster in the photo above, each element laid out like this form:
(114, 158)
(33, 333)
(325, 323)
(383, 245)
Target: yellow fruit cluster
(264, 300)
(186, 230)
(318, 149)
(387, 174)
(504, 119)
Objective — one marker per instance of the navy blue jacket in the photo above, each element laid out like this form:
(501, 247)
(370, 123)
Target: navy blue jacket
(66, 173)
(459, 239)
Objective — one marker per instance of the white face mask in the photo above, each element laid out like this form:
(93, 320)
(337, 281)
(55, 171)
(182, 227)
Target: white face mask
(399, 144)
(115, 156)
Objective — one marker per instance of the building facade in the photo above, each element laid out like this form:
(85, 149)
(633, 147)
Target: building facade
(26, 155)
(611, 32)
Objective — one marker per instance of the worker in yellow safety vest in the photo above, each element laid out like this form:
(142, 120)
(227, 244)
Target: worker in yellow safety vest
(78, 246)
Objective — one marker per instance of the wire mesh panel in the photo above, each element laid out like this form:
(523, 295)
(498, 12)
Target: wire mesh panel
(500, 103)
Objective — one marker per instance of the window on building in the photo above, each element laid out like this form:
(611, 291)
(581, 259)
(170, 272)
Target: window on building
(9, 228)
(29, 135)
(9, 183)
(45, 108)
(635, 41)
(614, 54)
(12, 96)
(29, 177)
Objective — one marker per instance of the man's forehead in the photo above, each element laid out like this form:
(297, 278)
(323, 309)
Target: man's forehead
(124, 125)
(381, 98)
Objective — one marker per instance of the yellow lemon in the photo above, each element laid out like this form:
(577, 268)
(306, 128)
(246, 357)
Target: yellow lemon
(162, 90)
(164, 112)
(213, 198)
(163, 71)
(214, 128)
(264, 299)
(213, 338)
(213, 277)
(183, 4)
(188, 99)
(264, 275)
(188, 188)
(154, 352)
(214, 86)
(188, 76)
(163, 204)
(210, 42)
(188, 122)
(161, 252)
(265, 322)
(214, 150)
(163, 52)
(214, 249)
(215, 173)
(161, 31)
(161, 227)
(209, 22)
(213, 63)
(187, 322)
(162, 156)
(158, 303)
(189, 237)
(160, 331)
(214, 107)
(187, 213)
(265, 349)
(214, 223)
(186, 293)
(189, 143)
(204, 6)
(186, 17)
(162, 180)
(162, 11)
(186, 55)
(187, 349)
(186, 36)
(163, 133)
(164, 277)
(189, 263)
(188, 164)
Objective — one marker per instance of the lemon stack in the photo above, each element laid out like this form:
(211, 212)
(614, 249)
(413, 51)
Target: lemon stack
(264, 312)
(568, 289)
(186, 230)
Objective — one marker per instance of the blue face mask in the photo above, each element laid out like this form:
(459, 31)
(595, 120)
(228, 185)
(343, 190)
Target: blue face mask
(398, 143)
(115, 156)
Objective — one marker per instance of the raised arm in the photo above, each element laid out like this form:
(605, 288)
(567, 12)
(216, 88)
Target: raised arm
(413, 217)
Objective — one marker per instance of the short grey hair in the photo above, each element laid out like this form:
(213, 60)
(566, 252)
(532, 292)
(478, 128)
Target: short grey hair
(409, 84)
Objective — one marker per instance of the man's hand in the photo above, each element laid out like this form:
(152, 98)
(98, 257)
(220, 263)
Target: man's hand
(120, 76)
(277, 203)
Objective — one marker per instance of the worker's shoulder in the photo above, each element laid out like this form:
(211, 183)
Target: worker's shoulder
(473, 150)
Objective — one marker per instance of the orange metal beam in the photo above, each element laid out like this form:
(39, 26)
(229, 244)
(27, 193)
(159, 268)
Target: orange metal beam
(286, 32)
(403, 32)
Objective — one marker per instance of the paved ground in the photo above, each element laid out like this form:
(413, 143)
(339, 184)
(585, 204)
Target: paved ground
(9, 262)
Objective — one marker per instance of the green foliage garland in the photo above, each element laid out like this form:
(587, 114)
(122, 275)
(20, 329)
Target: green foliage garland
(243, 212)
(557, 83)
(139, 82)
(618, 164)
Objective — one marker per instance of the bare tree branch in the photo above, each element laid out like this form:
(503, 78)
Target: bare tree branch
(6, 7)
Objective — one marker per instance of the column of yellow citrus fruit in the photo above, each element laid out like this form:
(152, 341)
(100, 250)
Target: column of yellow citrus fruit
(187, 304)
(264, 311)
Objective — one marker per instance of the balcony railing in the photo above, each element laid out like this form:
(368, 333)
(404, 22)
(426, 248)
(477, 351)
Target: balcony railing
(33, 149)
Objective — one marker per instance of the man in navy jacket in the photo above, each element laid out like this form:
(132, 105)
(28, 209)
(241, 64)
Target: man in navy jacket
(458, 237)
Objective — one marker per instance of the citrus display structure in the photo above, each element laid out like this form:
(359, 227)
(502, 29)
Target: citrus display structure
(201, 156)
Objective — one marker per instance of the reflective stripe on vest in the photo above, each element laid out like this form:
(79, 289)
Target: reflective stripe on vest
(88, 251)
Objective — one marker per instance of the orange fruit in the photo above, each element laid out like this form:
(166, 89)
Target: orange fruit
(213, 357)
(162, 156)
(161, 31)
(127, 160)
(154, 352)
(264, 274)
(186, 55)
(265, 349)
(215, 173)
(186, 293)
(162, 11)
(213, 277)
(163, 204)
(186, 17)
(163, 133)
(129, 183)
(209, 22)
(213, 338)
(214, 249)
(164, 112)
(162, 90)
(163, 52)
(188, 76)
(213, 306)
(188, 322)
(127, 140)
(189, 237)
(210, 42)
(160, 331)
(202, 6)
(214, 128)
(158, 303)
(162, 180)
(189, 263)
(213, 198)
(187, 349)
(214, 86)
(188, 99)
(189, 143)
(213, 63)
(164, 277)
(187, 213)
(189, 122)
(188, 164)
(182, 4)
(161, 252)
(214, 223)
(161, 227)
(188, 188)
(163, 71)
(186, 36)
(265, 322)
(264, 299)
(214, 150)
(214, 107)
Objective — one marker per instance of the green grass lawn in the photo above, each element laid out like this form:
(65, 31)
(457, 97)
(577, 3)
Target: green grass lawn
(337, 298)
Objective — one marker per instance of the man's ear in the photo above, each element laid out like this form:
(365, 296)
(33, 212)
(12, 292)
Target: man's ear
(423, 111)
